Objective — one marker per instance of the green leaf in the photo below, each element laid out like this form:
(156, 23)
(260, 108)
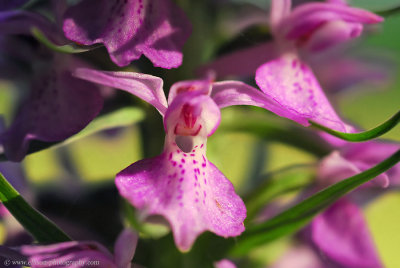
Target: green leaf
(120, 118)
(67, 49)
(299, 215)
(362, 136)
(42, 229)
(275, 184)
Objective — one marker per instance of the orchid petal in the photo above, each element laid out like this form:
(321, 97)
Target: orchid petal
(305, 19)
(203, 86)
(291, 83)
(347, 242)
(224, 264)
(52, 96)
(335, 168)
(190, 192)
(147, 87)
(279, 10)
(228, 93)
(181, 184)
(125, 247)
(204, 114)
(73, 253)
(128, 29)
(372, 153)
(333, 33)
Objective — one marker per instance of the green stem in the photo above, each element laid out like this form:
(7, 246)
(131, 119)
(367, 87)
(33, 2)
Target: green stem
(42, 229)
(362, 136)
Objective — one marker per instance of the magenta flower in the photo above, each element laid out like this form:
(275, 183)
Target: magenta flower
(290, 81)
(128, 29)
(181, 184)
(283, 76)
(83, 254)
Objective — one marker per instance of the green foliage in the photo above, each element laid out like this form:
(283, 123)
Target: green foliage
(42, 229)
(362, 136)
(298, 216)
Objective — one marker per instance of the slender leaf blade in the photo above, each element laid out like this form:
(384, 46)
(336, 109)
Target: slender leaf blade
(299, 215)
(41, 228)
(362, 136)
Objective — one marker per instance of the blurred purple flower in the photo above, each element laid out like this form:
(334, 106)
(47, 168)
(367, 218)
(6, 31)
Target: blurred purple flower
(341, 233)
(83, 254)
(156, 28)
(353, 158)
(46, 114)
(283, 75)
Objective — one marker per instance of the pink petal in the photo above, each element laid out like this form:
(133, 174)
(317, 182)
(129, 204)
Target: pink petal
(228, 93)
(291, 83)
(336, 167)
(279, 10)
(147, 87)
(224, 264)
(333, 33)
(203, 86)
(128, 29)
(306, 18)
(342, 234)
(71, 254)
(192, 197)
(125, 247)
(181, 184)
(205, 114)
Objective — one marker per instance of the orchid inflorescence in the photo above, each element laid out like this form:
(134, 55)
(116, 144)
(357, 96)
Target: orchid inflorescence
(69, 57)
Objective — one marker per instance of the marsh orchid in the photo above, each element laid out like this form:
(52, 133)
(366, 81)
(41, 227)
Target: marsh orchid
(181, 184)
(157, 29)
